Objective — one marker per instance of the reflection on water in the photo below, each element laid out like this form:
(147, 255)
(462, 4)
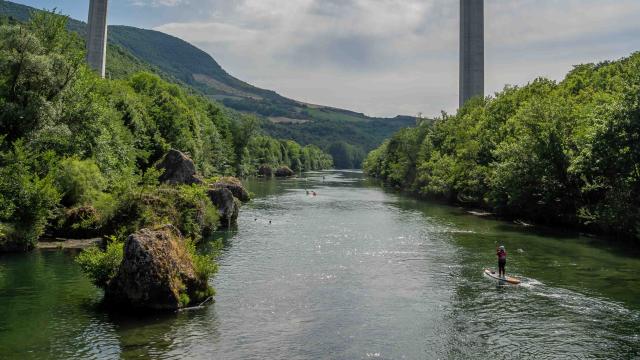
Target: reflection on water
(352, 273)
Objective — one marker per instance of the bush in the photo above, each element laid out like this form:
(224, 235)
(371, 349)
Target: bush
(206, 267)
(81, 182)
(102, 266)
(28, 198)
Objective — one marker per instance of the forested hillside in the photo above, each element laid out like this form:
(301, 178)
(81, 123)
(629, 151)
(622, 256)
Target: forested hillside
(77, 152)
(564, 153)
(177, 61)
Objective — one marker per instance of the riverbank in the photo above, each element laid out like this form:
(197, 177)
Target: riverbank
(72, 244)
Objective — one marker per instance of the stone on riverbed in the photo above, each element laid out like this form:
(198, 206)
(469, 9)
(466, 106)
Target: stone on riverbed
(235, 186)
(228, 206)
(156, 272)
(284, 171)
(265, 170)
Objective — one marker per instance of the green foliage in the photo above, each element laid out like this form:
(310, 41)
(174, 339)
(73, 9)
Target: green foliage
(102, 266)
(40, 61)
(556, 153)
(28, 198)
(346, 156)
(205, 267)
(187, 207)
(80, 181)
(204, 264)
(264, 150)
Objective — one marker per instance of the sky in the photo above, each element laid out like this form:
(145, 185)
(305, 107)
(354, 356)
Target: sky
(382, 57)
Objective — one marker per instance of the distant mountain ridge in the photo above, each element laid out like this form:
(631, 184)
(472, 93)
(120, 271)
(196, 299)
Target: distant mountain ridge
(179, 61)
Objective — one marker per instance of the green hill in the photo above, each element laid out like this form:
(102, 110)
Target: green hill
(132, 49)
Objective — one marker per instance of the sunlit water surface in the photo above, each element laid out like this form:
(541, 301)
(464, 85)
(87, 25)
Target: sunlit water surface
(352, 273)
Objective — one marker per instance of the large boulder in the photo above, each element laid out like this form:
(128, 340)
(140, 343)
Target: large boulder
(284, 171)
(178, 169)
(228, 206)
(235, 186)
(265, 170)
(156, 272)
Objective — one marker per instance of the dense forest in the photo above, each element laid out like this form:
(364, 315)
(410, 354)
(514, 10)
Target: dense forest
(77, 152)
(561, 153)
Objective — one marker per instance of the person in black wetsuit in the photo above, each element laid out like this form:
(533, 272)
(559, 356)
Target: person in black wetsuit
(502, 260)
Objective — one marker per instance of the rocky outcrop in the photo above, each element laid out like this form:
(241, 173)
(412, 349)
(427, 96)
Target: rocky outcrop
(265, 171)
(284, 171)
(228, 206)
(177, 169)
(156, 272)
(235, 186)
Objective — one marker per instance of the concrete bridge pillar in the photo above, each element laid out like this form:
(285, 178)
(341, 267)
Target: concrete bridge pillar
(97, 35)
(471, 49)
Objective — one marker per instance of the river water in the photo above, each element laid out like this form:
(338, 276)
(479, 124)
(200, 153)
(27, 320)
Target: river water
(353, 273)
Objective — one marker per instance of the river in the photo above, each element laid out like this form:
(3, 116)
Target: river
(355, 272)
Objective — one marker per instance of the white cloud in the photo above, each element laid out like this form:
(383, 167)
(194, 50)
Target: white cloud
(385, 57)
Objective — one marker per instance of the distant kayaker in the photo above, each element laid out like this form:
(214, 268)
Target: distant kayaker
(314, 193)
(502, 260)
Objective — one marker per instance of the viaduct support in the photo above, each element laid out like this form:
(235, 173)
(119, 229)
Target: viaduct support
(471, 49)
(97, 35)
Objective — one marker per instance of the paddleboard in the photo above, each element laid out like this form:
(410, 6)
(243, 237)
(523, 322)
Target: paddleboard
(507, 279)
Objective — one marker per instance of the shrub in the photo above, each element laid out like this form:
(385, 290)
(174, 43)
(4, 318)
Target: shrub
(205, 266)
(101, 266)
(80, 181)
(28, 197)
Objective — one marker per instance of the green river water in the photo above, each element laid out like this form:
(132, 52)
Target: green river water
(356, 272)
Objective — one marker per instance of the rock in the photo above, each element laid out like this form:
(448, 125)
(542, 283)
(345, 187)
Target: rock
(235, 186)
(284, 171)
(228, 206)
(265, 171)
(156, 272)
(178, 169)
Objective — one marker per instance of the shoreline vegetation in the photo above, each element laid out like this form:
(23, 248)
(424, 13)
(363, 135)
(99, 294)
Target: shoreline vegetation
(84, 157)
(563, 154)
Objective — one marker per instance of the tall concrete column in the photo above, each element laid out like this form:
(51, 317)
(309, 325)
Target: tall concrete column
(471, 49)
(97, 35)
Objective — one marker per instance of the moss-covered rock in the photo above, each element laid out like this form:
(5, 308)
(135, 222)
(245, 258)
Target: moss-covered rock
(157, 273)
(235, 186)
(228, 206)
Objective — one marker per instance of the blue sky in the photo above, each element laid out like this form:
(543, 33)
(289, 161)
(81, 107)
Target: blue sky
(382, 57)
